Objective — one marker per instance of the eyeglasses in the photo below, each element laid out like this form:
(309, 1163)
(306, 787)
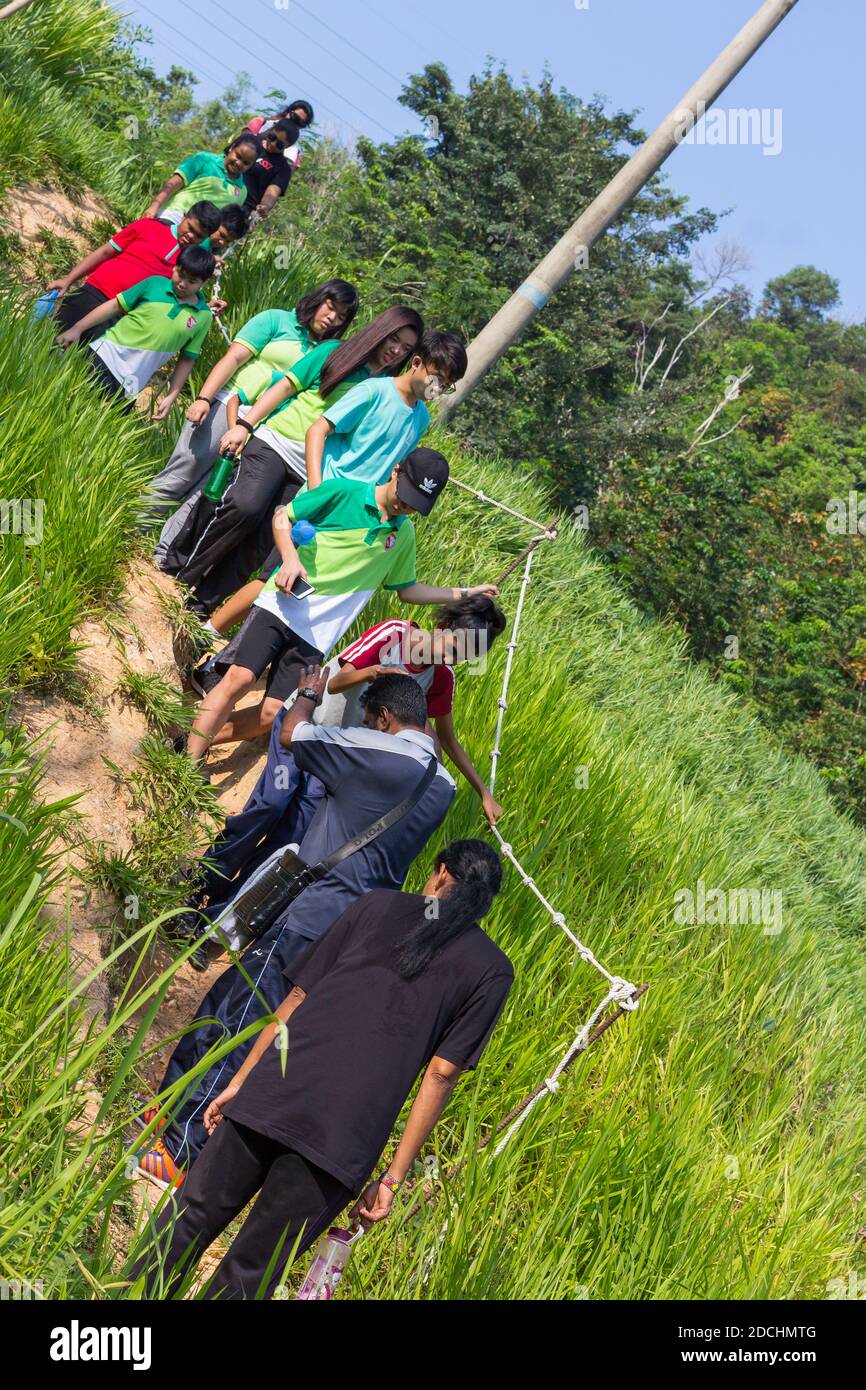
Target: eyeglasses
(275, 140)
(444, 390)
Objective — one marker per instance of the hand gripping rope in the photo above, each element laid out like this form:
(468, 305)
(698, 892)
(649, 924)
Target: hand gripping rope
(620, 992)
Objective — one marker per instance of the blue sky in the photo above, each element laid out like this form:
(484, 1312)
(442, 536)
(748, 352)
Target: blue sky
(349, 58)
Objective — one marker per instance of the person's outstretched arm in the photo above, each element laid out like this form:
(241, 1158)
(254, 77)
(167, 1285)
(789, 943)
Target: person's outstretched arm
(213, 1115)
(430, 593)
(461, 760)
(84, 268)
(270, 198)
(314, 445)
(182, 368)
(233, 440)
(221, 372)
(434, 1093)
(170, 187)
(109, 310)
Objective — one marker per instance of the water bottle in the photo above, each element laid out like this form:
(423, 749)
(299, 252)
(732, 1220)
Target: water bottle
(219, 477)
(326, 1271)
(303, 532)
(45, 305)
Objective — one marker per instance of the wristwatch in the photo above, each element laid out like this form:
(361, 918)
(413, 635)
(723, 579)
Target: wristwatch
(308, 694)
(464, 593)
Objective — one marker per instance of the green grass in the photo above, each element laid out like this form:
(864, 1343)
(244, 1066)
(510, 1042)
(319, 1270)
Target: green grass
(709, 1146)
(746, 1054)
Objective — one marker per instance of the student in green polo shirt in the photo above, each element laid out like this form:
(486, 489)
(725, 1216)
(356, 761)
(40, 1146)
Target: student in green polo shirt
(217, 177)
(230, 541)
(268, 344)
(364, 541)
(159, 318)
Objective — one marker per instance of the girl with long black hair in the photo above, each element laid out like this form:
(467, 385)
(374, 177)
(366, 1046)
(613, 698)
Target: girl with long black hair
(401, 983)
(267, 345)
(223, 545)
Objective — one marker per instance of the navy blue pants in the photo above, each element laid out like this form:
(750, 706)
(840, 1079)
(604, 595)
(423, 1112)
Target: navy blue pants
(278, 812)
(226, 1009)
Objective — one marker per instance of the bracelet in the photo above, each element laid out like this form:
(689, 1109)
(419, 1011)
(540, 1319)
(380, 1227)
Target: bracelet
(247, 426)
(207, 399)
(391, 1183)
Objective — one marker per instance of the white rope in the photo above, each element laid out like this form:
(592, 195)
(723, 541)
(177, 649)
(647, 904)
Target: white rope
(620, 991)
(502, 702)
(482, 497)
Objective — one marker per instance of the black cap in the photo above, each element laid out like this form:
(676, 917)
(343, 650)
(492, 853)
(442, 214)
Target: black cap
(423, 474)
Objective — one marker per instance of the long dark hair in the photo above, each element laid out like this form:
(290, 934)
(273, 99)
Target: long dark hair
(354, 353)
(477, 870)
(340, 292)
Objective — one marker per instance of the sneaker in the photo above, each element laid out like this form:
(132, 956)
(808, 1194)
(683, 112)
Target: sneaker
(204, 677)
(157, 1165)
(200, 958)
(146, 1113)
(188, 925)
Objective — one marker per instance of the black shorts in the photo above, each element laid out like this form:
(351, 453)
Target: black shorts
(267, 642)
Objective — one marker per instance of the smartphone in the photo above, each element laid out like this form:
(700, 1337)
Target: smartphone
(302, 588)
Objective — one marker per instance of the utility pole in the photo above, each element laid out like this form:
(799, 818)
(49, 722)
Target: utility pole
(507, 325)
(8, 10)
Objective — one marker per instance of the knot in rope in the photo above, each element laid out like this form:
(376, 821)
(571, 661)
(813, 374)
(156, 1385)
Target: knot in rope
(621, 991)
(552, 1084)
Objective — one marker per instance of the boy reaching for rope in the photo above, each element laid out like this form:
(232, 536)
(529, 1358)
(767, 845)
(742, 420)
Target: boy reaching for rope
(416, 985)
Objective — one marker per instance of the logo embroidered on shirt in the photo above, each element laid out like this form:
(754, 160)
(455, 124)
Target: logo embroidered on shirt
(390, 541)
(190, 323)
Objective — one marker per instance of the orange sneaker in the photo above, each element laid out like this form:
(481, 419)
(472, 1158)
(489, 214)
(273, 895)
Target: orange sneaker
(157, 1165)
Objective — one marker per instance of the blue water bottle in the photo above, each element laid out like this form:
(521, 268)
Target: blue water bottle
(45, 305)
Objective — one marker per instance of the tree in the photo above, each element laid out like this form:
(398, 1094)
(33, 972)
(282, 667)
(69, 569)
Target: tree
(803, 295)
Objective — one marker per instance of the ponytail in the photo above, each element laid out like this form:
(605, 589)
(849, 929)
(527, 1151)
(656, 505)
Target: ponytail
(477, 872)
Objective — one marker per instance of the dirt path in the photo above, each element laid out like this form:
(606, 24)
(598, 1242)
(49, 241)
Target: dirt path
(80, 739)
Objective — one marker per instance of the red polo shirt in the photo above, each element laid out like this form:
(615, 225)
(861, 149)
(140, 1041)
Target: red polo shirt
(144, 248)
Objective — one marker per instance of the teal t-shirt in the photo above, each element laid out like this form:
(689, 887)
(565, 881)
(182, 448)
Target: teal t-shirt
(204, 177)
(374, 429)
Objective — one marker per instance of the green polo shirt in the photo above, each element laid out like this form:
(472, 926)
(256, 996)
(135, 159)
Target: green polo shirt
(293, 418)
(277, 341)
(353, 553)
(155, 326)
(204, 177)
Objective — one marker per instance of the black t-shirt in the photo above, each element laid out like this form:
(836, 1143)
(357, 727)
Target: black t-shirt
(267, 169)
(363, 1034)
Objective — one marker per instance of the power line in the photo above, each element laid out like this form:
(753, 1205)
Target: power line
(363, 76)
(281, 75)
(221, 82)
(453, 37)
(360, 51)
(197, 71)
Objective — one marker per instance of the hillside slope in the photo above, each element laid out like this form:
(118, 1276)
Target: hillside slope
(745, 1057)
